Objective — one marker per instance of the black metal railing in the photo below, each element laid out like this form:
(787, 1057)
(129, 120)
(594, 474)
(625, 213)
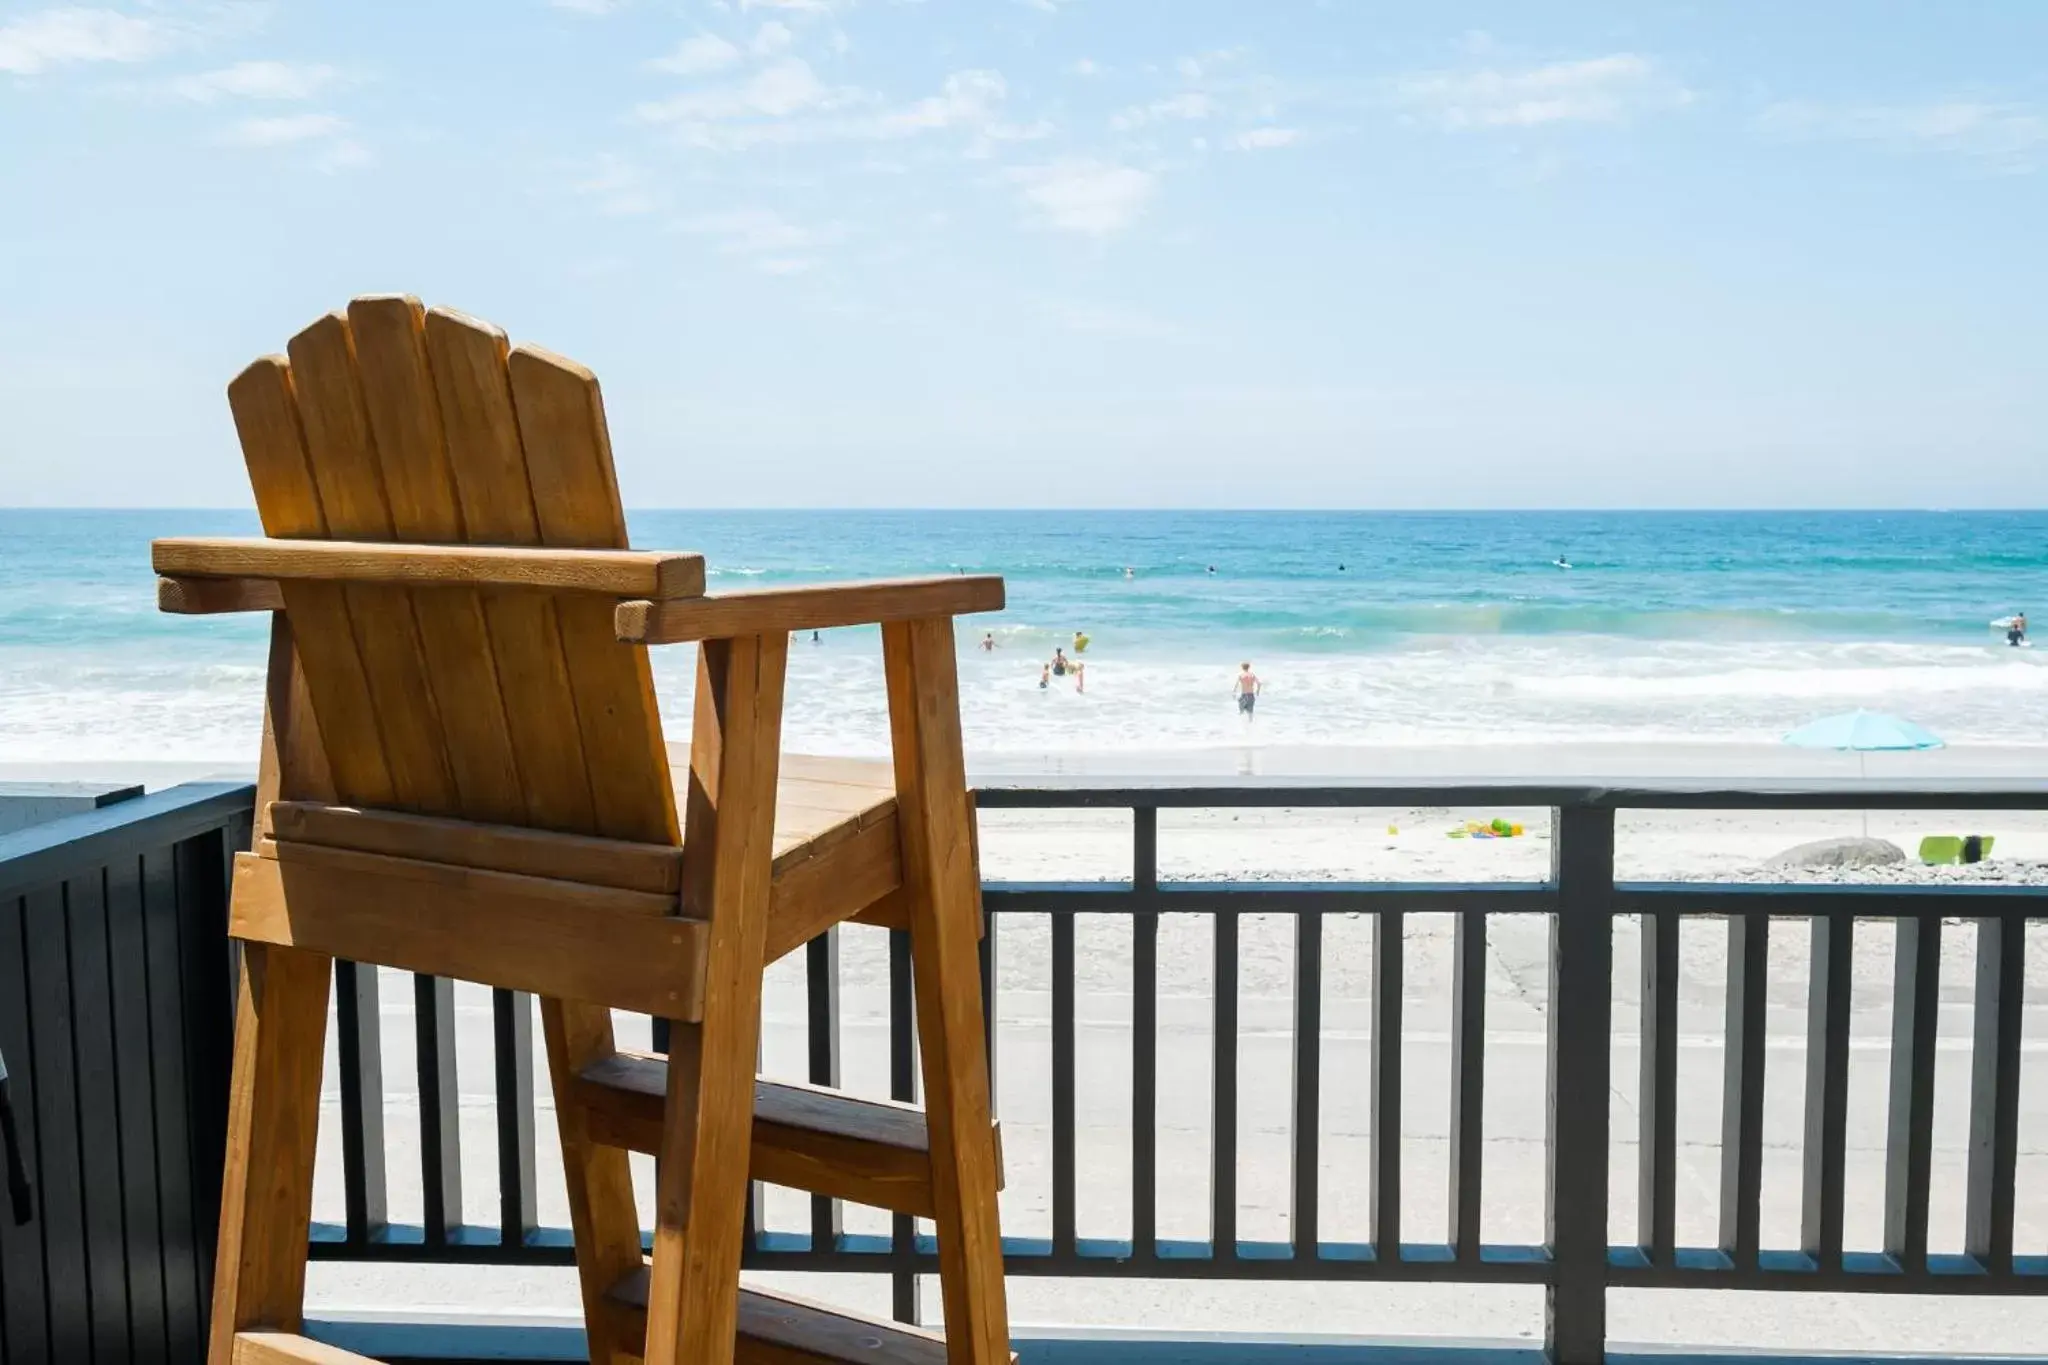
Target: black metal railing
(1575, 1260)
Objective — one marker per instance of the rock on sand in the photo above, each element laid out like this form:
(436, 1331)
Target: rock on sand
(1841, 853)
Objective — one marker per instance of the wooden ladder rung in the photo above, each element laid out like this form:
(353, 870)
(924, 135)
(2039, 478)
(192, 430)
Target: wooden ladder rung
(287, 1348)
(806, 1137)
(779, 1329)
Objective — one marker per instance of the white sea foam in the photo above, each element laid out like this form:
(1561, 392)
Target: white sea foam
(103, 705)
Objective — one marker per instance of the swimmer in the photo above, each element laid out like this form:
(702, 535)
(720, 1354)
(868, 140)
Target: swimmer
(1247, 689)
(1212, 568)
(2016, 633)
(1059, 663)
(1129, 572)
(1080, 642)
(988, 641)
(815, 638)
(1044, 676)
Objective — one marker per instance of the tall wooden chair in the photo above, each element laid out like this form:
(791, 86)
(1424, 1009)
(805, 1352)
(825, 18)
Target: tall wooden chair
(463, 773)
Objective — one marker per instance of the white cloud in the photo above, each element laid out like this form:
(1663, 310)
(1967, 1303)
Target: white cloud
(342, 154)
(1596, 90)
(39, 42)
(325, 139)
(785, 103)
(258, 81)
(1095, 198)
(770, 243)
(1259, 139)
(771, 38)
(617, 187)
(778, 90)
(695, 56)
(279, 132)
(1205, 64)
(2012, 137)
(1109, 320)
(1085, 67)
(966, 97)
(1189, 104)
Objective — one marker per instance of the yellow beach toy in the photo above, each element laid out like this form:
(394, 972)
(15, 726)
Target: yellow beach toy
(1496, 828)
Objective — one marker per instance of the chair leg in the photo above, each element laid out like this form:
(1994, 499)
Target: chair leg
(707, 1131)
(266, 1206)
(602, 1214)
(943, 889)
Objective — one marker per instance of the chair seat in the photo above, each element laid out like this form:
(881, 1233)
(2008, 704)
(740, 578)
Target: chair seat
(818, 801)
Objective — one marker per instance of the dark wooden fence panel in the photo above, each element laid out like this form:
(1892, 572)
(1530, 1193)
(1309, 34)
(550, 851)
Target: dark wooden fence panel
(114, 1022)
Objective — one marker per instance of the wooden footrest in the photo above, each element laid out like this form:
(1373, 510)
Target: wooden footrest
(286, 1348)
(778, 1329)
(874, 1152)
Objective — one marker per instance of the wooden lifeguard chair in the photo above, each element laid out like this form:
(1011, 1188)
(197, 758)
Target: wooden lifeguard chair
(463, 774)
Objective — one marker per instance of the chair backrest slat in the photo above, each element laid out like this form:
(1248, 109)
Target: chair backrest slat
(512, 706)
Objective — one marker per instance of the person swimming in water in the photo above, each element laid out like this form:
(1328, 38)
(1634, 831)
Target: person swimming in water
(988, 641)
(1059, 662)
(1080, 642)
(1247, 689)
(1044, 676)
(2016, 633)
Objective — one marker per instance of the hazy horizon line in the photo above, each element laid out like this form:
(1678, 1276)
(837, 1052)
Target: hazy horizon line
(1048, 510)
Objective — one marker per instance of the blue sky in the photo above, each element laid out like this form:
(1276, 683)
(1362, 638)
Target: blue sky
(1066, 252)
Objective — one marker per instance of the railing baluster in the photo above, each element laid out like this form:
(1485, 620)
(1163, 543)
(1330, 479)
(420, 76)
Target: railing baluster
(433, 1007)
(1223, 1088)
(1742, 1088)
(1304, 1184)
(1468, 1082)
(1657, 1083)
(1995, 1091)
(1581, 1014)
(512, 1030)
(1828, 1004)
(1063, 1024)
(1145, 1041)
(902, 1086)
(1384, 1151)
(821, 1007)
(1909, 1126)
(360, 1054)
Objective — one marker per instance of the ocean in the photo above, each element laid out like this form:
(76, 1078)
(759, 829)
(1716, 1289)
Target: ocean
(1367, 628)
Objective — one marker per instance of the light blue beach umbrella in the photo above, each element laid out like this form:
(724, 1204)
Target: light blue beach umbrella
(1863, 731)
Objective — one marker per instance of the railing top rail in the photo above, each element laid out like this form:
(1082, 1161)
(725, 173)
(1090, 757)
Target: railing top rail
(56, 849)
(1778, 793)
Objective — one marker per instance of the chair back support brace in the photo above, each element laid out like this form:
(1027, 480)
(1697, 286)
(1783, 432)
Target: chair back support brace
(463, 773)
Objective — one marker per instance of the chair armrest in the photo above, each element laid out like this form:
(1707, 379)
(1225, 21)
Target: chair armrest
(659, 575)
(217, 596)
(818, 607)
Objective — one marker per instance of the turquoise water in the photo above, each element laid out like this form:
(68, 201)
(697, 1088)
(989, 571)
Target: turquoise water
(1368, 628)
